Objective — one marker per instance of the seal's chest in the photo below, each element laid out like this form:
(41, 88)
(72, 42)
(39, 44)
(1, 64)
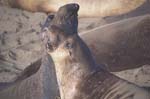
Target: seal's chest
(59, 55)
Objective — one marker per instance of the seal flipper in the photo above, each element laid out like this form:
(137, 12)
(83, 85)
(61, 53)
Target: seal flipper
(30, 70)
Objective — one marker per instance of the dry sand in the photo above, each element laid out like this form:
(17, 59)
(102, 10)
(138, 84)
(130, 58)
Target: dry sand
(20, 44)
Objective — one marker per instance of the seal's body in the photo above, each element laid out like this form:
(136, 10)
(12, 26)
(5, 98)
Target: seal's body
(88, 7)
(121, 45)
(78, 75)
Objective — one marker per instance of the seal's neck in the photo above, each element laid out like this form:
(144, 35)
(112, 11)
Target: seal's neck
(71, 69)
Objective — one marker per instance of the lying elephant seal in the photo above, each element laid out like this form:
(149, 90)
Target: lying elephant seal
(121, 45)
(78, 75)
(96, 8)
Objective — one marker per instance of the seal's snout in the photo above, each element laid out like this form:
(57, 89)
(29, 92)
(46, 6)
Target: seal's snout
(76, 7)
(72, 7)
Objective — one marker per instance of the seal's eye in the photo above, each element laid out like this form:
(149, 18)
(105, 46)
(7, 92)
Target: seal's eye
(68, 45)
(50, 17)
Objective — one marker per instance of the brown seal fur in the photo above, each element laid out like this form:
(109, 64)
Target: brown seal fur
(88, 7)
(78, 75)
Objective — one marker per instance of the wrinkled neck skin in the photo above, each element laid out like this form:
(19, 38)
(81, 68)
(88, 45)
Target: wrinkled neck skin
(71, 69)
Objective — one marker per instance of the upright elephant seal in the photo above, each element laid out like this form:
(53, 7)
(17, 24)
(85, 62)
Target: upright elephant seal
(38, 81)
(88, 7)
(78, 75)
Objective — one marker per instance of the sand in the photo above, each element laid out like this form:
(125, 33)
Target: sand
(20, 44)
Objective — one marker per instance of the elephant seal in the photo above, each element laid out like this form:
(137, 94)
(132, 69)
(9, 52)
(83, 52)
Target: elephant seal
(38, 81)
(77, 73)
(121, 45)
(96, 8)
